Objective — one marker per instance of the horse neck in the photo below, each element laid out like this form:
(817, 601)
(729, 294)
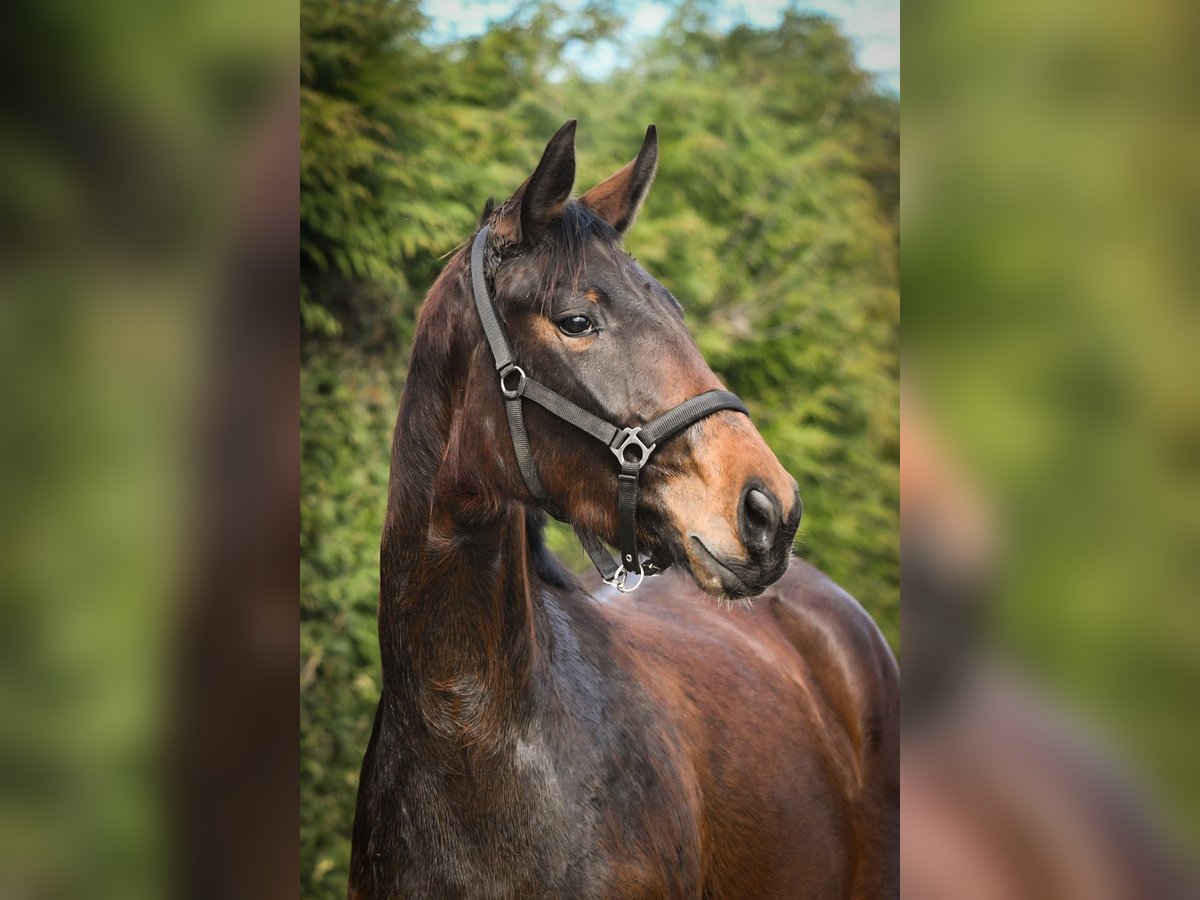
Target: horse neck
(457, 616)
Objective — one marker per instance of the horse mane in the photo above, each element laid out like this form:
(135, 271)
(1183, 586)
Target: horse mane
(425, 411)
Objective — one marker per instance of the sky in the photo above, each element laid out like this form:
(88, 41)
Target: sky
(873, 25)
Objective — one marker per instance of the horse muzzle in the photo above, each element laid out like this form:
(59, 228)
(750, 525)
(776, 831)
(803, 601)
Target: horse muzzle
(766, 529)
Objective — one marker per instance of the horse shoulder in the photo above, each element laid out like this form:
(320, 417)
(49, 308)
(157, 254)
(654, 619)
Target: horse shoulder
(847, 660)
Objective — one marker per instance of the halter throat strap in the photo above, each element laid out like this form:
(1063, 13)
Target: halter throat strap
(631, 446)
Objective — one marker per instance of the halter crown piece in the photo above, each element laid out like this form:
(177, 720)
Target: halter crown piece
(631, 446)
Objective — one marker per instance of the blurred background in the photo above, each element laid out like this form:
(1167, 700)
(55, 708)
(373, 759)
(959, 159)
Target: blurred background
(1051, 448)
(773, 219)
(148, 206)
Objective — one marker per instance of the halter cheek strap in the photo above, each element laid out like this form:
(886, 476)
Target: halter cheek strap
(632, 447)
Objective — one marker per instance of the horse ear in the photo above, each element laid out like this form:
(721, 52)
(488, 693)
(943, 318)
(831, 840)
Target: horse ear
(618, 198)
(541, 198)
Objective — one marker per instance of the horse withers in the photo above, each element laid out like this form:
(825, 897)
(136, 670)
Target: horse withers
(535, 738)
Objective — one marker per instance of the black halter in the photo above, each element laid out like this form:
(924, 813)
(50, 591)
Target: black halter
(631, 446)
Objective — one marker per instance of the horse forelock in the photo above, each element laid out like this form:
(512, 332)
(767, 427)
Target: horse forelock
(558, 258)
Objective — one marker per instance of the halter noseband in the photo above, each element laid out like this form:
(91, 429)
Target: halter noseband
(631, 446)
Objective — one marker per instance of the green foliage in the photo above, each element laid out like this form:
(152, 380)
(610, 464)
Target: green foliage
(773, 220)
(348, 409)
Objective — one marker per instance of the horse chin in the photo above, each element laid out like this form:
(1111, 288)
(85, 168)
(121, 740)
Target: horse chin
(722, 576)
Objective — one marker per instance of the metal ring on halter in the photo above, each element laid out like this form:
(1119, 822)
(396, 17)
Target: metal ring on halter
(622, 575)
(630, 439)
(519, 389)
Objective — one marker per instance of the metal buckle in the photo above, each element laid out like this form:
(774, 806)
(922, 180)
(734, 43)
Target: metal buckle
(621, 576)
(519, 389)
(630, 438)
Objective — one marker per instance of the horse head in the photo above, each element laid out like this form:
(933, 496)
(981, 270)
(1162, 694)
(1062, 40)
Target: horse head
(586, 320)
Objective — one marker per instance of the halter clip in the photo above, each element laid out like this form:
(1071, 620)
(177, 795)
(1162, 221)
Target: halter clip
(621, 577)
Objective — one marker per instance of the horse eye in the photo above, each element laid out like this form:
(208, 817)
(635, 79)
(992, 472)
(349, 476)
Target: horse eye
(576, 326)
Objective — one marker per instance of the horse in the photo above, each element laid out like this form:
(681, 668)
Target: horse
(542, 734)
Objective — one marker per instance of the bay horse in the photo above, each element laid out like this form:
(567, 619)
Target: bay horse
(543, 735)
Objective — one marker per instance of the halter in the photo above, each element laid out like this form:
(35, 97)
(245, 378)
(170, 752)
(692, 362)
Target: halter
(631, 446)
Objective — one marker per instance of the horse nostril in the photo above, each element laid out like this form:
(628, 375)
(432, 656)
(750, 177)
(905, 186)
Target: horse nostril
(793, 520)
(759, 520)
